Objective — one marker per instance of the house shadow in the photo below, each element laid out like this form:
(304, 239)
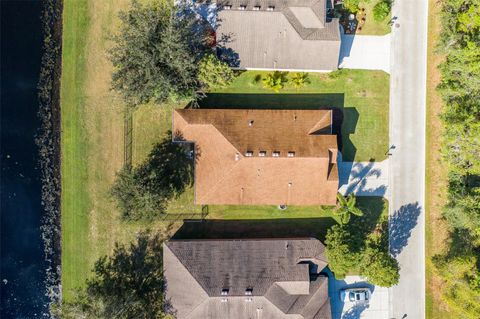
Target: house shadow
(345, 46)
(401, 224)
(255, 229)
(345, 119)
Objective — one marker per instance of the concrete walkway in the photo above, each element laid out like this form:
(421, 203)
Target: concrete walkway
(363, 178)
(365, 52)
(407, 163)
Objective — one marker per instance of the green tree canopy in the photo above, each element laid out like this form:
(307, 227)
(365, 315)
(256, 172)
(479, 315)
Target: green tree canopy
(143, 192)
(340, 253)
(127, 284)
(213, 73)
(157, 51)
(379, 267)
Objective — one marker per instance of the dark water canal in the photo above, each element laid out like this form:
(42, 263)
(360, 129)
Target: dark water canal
(22, 278)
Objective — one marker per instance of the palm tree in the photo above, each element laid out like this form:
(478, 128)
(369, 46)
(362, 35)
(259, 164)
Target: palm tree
(346, 207)
(275, 81)
(300, 79)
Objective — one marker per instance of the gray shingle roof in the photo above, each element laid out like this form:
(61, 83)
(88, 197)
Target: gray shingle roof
(275, 270)
(295, 35)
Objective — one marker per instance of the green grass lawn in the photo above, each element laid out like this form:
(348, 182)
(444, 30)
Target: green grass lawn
(372, 27)
(269, 222)
(75, 198)
(362, 96)
(91, 142)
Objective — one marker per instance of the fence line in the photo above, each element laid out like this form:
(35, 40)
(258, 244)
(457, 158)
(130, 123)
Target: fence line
(128, 139)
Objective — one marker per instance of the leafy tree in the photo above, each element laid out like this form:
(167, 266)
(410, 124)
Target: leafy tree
(347, 208)
(351, 5)
(127, 284)
(213, 73)
(144, 191)
(340, 252)
(275, 81)
(300, 79)
(379, 267)
(157, 51)
(381, 10)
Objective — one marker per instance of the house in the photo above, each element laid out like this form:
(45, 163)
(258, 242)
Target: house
(246, 279)
(292, 35)
(261, 157)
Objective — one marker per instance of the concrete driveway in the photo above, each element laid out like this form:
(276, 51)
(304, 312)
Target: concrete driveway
(365, 52)
(363, 178)
(377, 308)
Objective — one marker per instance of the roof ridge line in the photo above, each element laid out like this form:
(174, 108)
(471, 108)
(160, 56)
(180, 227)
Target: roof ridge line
(201, 286)
(230, 170)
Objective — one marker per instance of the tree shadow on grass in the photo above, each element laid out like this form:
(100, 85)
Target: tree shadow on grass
(401, 225)
(168, 168)
(345, 119)
(250, 229)
(143, 192)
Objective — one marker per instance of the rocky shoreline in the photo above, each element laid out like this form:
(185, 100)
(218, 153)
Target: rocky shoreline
(48, 142)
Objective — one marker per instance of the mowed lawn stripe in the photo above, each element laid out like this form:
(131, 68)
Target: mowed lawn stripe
(75, 200)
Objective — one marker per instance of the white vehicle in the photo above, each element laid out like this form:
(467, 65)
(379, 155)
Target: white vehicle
(355, 295)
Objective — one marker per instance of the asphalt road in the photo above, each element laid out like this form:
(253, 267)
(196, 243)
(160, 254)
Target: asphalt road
(407, 162)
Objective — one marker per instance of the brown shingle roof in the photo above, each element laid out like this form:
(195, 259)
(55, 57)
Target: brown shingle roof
(196, 272)
(226, 174)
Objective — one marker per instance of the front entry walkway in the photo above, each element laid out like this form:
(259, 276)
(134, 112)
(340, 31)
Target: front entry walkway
(363, 178)
(366, 52)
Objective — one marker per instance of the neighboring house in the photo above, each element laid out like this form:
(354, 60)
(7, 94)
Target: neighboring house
(294, 35)
(246, 279)
(261, 157)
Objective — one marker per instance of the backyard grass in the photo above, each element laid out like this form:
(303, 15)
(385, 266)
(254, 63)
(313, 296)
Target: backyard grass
(436, 176)
(75, 198)
(362, 96)
(92, 141)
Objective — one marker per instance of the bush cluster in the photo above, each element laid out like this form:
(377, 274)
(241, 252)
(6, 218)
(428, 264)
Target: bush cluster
(460, 90)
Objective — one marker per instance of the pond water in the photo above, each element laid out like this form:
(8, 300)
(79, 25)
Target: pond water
(22, 279)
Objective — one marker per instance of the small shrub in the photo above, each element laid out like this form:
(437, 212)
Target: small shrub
(275, 81)
(381, 11)
(300, 79)
(351, 5)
